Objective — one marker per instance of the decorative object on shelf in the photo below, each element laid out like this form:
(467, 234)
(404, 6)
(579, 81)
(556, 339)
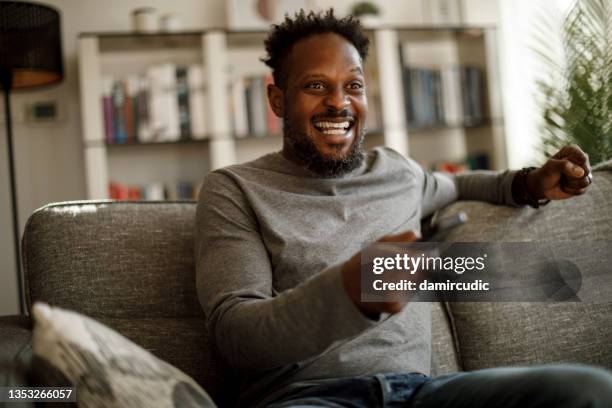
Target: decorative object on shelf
(171, 23)
(260, 14)
(443, 12)
(577, 106)
(368, 13)
(30, 56)
(145, 20)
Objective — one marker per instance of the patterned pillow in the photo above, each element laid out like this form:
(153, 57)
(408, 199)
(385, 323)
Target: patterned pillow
(107, 369)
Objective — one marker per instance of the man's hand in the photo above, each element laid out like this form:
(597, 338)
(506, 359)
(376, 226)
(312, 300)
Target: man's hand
(566, 174)
(351, 278)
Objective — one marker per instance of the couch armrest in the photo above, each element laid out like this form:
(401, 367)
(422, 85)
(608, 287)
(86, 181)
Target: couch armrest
(15, 349)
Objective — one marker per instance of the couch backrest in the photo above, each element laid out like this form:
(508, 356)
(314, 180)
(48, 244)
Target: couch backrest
(130, 265)
(514, 333)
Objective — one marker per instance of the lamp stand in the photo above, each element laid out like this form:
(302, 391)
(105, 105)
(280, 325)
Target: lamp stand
(6, 80)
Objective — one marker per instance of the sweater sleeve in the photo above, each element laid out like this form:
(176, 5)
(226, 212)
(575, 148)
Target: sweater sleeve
(440, 189)
(254, 327)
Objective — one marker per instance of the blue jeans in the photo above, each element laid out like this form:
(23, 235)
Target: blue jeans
(545, 386)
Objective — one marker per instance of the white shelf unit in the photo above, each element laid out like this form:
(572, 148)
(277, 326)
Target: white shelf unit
(224, 53)
(460, 46)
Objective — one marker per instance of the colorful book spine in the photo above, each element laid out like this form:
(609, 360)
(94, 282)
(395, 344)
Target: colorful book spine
(118, 98)
(182, 95)
(107, 108)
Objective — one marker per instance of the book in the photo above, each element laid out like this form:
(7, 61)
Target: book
(240, 119)
(167, 79)
(144, 130)
(107, 109)
(197, 102)
(256, 106)
(118, 99)
(451, 96)
(182, 95)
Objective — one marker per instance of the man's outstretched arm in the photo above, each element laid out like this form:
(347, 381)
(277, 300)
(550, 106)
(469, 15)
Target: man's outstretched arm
(566, 174)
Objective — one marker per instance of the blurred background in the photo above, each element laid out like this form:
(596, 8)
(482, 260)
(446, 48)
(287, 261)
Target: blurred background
(157, 93)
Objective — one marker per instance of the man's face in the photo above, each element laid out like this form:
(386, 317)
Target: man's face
(324, 105)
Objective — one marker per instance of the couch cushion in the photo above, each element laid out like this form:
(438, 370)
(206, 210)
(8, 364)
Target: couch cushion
(444, 358)
(106, 368)
(499, 334)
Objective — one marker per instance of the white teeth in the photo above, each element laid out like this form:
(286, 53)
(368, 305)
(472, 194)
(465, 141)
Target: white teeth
(326, 125)
(334, 131)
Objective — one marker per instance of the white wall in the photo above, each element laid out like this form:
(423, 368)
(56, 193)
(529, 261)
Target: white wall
(49, 158)
(519, 23)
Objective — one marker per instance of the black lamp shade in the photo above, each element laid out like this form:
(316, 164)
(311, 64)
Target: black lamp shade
(30, 44)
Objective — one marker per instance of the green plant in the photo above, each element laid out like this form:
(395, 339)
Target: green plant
(365, 8)
(577, 98)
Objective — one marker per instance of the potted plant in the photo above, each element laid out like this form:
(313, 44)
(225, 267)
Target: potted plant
(367, 12)
(577, 97)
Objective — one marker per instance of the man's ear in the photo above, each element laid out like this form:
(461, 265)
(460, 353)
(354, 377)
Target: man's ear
(276, 100)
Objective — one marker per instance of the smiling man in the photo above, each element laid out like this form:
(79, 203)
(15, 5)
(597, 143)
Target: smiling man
(279, 238)
(323, 104)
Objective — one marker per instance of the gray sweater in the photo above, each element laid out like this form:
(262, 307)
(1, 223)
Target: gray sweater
(271, 237)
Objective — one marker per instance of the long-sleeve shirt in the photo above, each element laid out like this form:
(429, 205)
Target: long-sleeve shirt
(271, 238)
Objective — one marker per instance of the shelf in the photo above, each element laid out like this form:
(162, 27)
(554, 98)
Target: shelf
(199, 32)
(120, 54)
(436, 127)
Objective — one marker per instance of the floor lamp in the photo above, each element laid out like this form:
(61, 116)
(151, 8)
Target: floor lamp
(30, 56)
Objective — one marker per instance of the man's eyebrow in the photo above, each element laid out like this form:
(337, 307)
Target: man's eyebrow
(321, 76)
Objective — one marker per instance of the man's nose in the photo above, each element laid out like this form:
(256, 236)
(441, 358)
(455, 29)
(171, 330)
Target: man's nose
(337, 99)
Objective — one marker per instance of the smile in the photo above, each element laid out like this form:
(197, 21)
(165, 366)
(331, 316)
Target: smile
(333, 128)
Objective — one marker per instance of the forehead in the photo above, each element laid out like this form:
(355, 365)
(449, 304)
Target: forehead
(322, 54)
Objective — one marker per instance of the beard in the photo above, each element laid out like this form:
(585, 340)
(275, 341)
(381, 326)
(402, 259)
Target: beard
(306, 152)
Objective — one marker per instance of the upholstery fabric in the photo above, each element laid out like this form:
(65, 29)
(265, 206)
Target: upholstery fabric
(501, 334)
(107, 369)
(444, 358)
(129, 265)
(15, 334)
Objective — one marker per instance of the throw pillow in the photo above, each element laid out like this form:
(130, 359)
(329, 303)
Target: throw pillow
(107, 369)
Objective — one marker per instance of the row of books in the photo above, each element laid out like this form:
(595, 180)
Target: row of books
(166, 103)
(477, 161)
(182, 190)
(250, 110)
(446, 96)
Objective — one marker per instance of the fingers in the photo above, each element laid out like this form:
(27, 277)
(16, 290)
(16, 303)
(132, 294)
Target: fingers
(573, 191)
(565, 167)
(580, 183)
(576, 155)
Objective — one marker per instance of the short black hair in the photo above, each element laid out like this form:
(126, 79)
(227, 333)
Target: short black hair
(284, 36)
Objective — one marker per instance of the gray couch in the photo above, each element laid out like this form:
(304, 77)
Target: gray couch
(131, 266)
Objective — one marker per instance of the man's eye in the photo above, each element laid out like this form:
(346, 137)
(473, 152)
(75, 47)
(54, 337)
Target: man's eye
(314, 85)
(355, 86)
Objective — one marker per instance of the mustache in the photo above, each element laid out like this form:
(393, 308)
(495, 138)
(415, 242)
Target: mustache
(333, 113)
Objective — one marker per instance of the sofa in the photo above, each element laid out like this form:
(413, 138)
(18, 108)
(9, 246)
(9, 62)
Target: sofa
(130, 265)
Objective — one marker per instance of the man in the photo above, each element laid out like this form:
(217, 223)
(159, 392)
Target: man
(278, 243)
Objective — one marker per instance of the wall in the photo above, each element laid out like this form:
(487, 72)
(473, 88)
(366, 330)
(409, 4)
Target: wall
(49, 158)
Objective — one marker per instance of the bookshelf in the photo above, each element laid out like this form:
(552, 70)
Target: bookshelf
(227, 57)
